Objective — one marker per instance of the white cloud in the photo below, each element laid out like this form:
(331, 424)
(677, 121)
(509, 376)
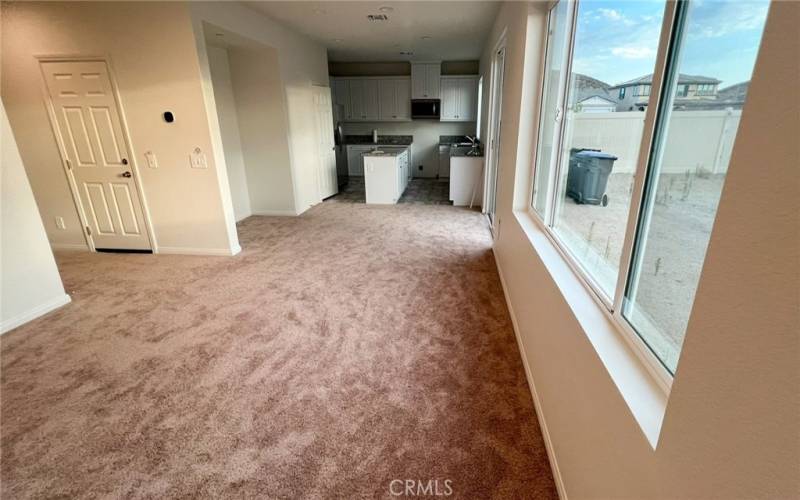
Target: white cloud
(633, 52)
(614, 16)
(610, 14)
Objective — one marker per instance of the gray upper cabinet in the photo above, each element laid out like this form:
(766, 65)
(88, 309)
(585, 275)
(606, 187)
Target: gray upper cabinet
(394, 100)
(372, 99)
(363, 99)
(340, 88)
(425, 80)
(459, 98)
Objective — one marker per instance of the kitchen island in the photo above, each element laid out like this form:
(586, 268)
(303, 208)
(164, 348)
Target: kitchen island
(386, 174)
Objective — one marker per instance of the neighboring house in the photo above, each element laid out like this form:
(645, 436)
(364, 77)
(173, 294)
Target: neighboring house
(733, 96)
(634, 94)
(590, 95)
(596, 104)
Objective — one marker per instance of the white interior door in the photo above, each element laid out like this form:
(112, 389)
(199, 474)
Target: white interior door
(86, 118)
(328, 183)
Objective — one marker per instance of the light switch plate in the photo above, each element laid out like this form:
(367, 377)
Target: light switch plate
(60, 223)
(150, 157)
(198, 159)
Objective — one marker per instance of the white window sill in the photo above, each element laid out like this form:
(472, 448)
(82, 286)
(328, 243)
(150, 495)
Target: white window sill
(644, 396)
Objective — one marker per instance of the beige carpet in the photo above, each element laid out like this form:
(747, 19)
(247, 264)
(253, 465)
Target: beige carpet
(340, 351)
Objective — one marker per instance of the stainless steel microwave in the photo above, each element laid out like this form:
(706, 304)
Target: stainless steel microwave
(427, 109)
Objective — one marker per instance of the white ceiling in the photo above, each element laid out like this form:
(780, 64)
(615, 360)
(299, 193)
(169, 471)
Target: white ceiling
(457, 29)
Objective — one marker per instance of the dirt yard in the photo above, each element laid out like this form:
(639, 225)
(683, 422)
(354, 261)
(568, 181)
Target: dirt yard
(676, 245)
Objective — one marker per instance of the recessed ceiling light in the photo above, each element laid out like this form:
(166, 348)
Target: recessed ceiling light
(338, 40)
(386, 9)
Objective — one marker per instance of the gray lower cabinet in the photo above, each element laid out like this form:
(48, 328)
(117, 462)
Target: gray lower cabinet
(355, 159)
(444, 161)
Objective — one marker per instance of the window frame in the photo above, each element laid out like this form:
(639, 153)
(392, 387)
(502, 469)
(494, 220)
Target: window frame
(612, 307)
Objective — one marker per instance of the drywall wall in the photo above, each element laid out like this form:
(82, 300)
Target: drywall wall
(731, 428)
(369, 69)
(156, 68)
(302, 63)
(338, 68)
(426, 138)
(229, 128)
(264, 127)
(29, 282)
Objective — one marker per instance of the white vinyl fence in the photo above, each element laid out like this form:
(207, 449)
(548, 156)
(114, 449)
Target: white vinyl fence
(698, 140)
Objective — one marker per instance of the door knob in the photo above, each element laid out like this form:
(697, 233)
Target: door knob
(126, 174)
(124, 161)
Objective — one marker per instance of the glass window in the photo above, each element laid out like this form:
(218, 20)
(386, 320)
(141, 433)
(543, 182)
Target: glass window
(692, 148)
(551, 112)
(598, 156)
(645, 268)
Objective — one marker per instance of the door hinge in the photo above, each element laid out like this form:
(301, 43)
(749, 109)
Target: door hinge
(88, 230)
(69, 164)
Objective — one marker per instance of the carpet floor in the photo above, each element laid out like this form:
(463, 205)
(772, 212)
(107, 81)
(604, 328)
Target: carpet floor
(341, 351)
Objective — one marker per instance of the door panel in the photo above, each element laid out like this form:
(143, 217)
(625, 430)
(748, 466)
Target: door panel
(97, 203)
(124, 203)
(327, 178)
(86, 118)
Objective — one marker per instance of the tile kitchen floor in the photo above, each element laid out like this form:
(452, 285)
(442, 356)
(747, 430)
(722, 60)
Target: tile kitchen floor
(419, 191)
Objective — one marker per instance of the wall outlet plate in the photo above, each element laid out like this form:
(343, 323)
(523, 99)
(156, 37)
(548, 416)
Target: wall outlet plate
(60, 223)
(150, 157)
(198, 159)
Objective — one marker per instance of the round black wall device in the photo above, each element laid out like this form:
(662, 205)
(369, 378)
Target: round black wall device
(169, 117)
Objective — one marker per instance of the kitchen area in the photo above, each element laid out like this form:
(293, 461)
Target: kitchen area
(406, 132)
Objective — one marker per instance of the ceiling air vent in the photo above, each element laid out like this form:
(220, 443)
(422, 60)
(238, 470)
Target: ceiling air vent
(378, 17)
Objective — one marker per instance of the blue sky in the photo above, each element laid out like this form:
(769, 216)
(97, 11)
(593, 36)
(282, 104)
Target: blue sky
(617, 39)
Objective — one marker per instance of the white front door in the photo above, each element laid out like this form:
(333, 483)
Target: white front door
(86, 118)
(327, 178)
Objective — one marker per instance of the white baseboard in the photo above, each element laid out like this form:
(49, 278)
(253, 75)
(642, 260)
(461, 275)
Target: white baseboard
(69, 246)
(275, 213)
(31, 314)
(227, 252)
(548, 444)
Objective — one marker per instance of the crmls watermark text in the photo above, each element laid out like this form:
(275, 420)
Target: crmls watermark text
(421, 488)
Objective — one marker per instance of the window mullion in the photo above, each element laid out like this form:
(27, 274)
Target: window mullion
(563, 85)
(640, 175)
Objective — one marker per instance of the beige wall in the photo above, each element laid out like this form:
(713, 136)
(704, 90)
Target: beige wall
(369, 68)
(731, 423)
(156, 68)
(397, 68)
(302, 62)
(264, 125)
(29, 282)
(229, 128)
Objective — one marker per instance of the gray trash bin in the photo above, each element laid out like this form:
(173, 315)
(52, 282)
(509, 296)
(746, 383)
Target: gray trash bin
(587, 177)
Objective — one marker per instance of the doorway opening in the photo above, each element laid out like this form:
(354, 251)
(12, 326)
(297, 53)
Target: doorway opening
(251, 113)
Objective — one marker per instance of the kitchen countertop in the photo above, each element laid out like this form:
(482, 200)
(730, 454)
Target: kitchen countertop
(383, 153)
(383, 140)
(462, 152)
(450, 140)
